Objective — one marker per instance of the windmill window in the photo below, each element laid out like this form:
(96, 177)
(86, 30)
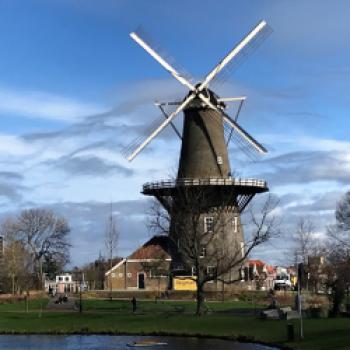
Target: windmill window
(219, 160)
(208, 224)
(203, 252)
(113, 274)
(121, 274)
(242, 249)
(129, 274)
(235, 224)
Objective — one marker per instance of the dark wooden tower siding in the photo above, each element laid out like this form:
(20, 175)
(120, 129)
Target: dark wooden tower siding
(203, 151)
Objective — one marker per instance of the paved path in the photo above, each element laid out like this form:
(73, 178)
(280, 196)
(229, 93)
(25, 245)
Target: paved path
(69, 305)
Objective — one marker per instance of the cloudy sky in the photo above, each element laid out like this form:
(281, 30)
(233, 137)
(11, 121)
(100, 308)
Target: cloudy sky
(75, 89)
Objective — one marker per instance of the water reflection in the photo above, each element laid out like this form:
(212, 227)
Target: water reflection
(105, 342)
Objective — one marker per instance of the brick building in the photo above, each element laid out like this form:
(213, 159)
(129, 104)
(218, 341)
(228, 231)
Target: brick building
(145, 269)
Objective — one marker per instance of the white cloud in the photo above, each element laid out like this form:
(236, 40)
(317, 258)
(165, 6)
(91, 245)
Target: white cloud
(39, 104)
(11, 145)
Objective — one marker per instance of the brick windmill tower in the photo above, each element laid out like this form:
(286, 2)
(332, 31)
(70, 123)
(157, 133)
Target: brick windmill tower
(204, 180)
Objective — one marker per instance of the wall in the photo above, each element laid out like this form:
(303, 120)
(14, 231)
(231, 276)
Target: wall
(126, 277)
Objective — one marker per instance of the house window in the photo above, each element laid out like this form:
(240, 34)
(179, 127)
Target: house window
(211, 271)
(178, 267)
(193, 271)
(235, 224)
(67, 279)
(208, 224)
(129, 274)
(60, 278)
(203, 252)
(113, 274)
(120, 275)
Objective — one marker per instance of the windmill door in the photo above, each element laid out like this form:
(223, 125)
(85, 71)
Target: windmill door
(141, 280)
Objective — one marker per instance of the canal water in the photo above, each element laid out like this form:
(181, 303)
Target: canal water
(105, 342)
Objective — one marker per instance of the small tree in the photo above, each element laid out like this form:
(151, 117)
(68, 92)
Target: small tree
(337, 276)
(304, 239)
(111, 244)
(17, 267)
(308, 252)
(94, 273)
(337, 270)
(340, 232)
(42, 234)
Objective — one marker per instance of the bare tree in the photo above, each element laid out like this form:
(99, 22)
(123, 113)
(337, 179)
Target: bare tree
(94, 272)
(17, 266)
(340, 232)
(337, 267)
(336, 273)
(42, 234)
(304, 239)
(309, 251)
(111, 244)
(212, 253)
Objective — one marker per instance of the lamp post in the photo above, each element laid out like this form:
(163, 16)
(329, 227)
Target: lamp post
(299, 274)
(80, 293)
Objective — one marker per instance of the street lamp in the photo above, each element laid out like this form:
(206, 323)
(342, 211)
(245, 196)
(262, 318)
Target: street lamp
(299, 275)
(80, 292)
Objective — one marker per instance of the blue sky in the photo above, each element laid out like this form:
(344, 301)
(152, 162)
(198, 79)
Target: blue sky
(74, 89)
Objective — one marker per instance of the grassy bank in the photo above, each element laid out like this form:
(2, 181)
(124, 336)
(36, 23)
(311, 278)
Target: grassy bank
(229, 319)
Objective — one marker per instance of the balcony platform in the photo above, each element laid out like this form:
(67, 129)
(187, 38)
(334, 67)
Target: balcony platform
(237, 185)
(240, 186)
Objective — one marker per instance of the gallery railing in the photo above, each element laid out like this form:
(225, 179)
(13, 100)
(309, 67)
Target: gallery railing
(204, 182)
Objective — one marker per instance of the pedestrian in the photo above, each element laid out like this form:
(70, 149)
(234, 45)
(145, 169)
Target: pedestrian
(133, 303)
(273, 301)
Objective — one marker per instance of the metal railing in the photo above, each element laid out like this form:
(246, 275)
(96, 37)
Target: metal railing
(163, 184)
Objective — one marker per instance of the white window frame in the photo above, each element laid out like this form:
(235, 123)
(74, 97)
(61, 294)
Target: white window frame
(193, 271)
(203, 252)
(242, 249)
(235, 224)
(208, 221)
(208, 271)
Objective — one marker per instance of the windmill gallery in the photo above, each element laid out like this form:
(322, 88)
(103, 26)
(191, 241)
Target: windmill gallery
(204, 202)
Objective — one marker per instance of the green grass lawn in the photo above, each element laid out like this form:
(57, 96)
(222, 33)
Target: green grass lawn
(33, 304)
(163, 306)
(173, 317)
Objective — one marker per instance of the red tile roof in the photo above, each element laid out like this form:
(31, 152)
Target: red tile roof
(256, 262)
(156, 248)
(270, 269)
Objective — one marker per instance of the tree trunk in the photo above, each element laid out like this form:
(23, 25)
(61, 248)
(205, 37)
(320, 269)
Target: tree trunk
(110, 280)
(200, 300)
(41, 274)
(13, 284)
(338, 296)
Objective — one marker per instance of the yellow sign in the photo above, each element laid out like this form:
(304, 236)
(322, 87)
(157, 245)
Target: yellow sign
(184, 283)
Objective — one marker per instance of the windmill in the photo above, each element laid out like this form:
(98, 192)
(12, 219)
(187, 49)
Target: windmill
(204, 163)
